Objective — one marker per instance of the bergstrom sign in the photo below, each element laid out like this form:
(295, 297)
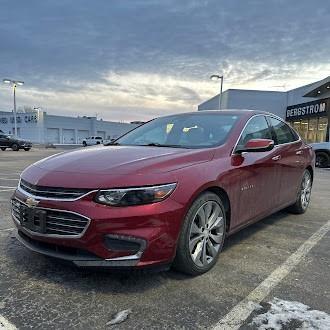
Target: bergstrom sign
(318, 108)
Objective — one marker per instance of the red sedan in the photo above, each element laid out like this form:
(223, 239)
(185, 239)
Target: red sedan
(168, 192)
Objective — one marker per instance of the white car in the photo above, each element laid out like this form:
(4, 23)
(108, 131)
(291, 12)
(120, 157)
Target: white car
(322, 153)
(92, 141)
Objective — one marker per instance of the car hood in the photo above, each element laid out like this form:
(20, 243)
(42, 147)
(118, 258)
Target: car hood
(320, 145)
(98, 164)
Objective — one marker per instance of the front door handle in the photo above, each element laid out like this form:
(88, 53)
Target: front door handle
(299, 152)
(278, 157)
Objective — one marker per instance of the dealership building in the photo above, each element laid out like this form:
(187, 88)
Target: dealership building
(41, 127)
(306, 108)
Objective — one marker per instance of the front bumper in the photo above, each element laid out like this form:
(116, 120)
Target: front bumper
(153, 229)
(25, 145)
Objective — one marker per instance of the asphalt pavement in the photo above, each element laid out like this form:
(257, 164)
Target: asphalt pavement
(276, 270)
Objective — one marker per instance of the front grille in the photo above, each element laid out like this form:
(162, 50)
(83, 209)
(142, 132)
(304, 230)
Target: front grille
(48, 221)
(52, 192)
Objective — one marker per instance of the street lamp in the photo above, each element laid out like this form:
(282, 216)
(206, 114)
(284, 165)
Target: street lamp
(14, 83)
(216, 77)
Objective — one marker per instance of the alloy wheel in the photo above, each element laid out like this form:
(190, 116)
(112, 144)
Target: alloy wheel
(206, 233)
(306, 189)
(321, 160)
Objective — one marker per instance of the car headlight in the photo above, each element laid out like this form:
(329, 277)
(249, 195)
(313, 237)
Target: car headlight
(134, 196)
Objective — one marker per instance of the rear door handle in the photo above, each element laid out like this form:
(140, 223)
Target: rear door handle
(278, 157)
(299, 152)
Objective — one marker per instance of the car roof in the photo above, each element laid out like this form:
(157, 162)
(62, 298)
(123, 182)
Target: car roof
(240, 112)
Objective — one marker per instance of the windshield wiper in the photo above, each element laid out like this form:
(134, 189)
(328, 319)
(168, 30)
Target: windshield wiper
(155, 144)
(113, 144)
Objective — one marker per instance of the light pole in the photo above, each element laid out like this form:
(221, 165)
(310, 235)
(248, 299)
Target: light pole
(216, 77)
(14, 83)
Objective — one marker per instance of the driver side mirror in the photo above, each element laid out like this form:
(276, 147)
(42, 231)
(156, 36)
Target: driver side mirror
(256, 145)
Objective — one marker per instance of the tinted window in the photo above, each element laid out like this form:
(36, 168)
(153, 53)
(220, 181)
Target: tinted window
(283, 132)
(257, 128)
(187, 131)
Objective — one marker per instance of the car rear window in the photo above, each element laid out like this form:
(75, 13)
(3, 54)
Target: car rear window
(283, 132)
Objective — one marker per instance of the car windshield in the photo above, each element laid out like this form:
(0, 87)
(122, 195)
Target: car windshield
(182, 131)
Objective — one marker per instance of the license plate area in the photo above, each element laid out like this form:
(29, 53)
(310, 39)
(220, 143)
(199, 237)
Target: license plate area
(33, 219)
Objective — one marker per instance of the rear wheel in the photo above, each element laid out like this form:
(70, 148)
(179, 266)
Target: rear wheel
(15, 147)
(304, 195)
(27, 149)
(3, 149)
(322, 159)
(202, 235)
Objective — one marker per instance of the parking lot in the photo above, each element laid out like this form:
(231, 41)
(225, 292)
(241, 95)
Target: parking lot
(283, 258)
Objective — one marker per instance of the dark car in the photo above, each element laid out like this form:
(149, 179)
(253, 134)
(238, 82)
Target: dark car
(15, 143)
(322, 152)
(168, 192)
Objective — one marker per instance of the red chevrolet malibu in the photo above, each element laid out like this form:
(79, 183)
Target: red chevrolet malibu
(168, 192)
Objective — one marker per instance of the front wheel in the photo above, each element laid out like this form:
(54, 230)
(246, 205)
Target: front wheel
(304, 195)
(322, 159)
(15, 147)
(202, 235)
(27, 149)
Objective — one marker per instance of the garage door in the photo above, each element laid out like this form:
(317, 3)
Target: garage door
(68, 136)
(101, 134)
(82, 134)
(53, 135)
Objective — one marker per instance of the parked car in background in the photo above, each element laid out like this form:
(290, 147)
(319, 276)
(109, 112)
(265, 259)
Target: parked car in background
(169, 191)
(322, 154)
(13, 142)
(92, 140)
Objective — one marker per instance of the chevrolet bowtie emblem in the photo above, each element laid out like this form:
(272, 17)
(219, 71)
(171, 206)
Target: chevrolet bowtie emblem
(31, 202)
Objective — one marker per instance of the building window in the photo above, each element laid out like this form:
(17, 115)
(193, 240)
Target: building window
(312, 129)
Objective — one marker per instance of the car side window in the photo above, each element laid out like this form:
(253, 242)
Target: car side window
(257, 128)
(283, 133)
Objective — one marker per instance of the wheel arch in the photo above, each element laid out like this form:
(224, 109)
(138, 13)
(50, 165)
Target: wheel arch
(223, 195)
(326, 151)
(309, 168)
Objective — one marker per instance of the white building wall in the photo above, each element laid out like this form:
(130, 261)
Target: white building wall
(271, 101)
(40, 127)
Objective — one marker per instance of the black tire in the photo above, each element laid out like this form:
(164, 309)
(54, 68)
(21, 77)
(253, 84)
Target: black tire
(299, 207)
(15, 147)
(84, 144)
(184, 260)
(3, 149)
(27, 149)
(322, 159)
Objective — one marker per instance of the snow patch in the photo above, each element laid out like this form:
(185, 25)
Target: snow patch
(282, 313)
(5, 324)
(120, 317)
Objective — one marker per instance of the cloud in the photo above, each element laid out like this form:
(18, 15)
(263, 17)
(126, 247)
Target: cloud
(154, 55)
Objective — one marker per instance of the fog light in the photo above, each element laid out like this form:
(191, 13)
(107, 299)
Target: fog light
(124, 243)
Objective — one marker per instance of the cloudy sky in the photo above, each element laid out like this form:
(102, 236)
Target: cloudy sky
(137, 59)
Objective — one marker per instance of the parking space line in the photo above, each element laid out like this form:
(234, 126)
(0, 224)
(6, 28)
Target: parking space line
(7, 229)
(236, 317)
(5, 324)
(7, 187)
(9, 179)
(4, 190)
